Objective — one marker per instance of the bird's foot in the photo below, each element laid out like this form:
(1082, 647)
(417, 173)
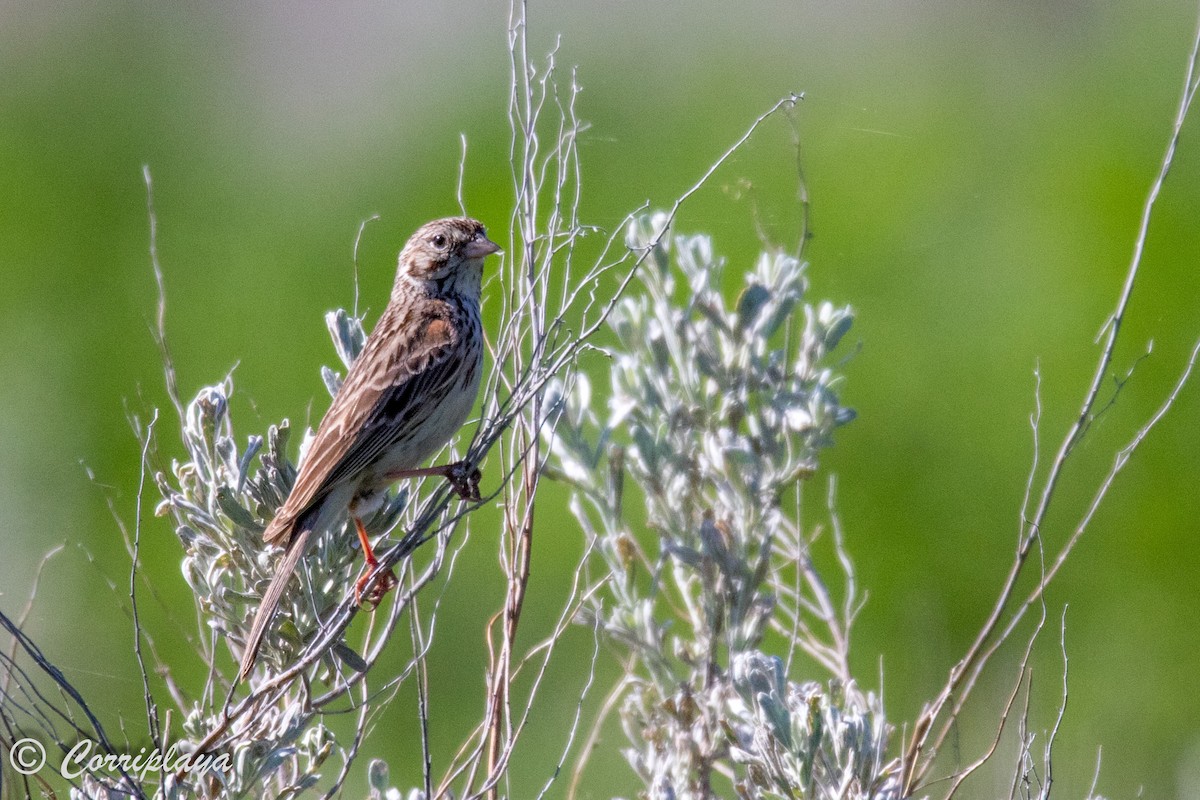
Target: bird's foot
(464, 479)
(383, 584)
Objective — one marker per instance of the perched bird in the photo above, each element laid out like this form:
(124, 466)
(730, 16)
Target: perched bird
(407, 393)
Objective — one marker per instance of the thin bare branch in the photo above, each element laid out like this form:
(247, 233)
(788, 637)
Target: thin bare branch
(916, 760)
(152, 720)
(362, 226)
(160, 327)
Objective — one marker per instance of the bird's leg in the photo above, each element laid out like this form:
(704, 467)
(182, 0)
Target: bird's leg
(462, 476)
(383, 584)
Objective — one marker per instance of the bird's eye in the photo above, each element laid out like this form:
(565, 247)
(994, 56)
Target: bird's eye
(439, 241)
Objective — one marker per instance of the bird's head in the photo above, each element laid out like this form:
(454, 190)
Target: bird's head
(446, 255)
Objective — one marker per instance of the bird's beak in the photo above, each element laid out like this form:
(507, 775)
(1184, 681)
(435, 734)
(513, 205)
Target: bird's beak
(480, 246)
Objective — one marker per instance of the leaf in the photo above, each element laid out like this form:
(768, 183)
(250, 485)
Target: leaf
(838, 330)
(751, 304)
(783, 310)
(253, 445)
(347, 334)
(332, 381)
(234, 510)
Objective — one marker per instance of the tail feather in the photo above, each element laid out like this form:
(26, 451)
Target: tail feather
(271, 597)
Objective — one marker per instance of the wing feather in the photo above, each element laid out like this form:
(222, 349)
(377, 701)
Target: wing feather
(362, 422)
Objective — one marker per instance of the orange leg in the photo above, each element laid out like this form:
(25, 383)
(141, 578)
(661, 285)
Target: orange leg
(383, 584)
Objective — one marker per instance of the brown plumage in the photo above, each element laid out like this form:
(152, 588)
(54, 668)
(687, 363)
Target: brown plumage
(407, 393)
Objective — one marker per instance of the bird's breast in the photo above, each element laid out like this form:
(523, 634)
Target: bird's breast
(441, 412)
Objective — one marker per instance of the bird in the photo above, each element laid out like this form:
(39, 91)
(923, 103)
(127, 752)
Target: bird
(408, 392)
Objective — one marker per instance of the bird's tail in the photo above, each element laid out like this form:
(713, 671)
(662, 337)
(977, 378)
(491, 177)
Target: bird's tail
(271, 597)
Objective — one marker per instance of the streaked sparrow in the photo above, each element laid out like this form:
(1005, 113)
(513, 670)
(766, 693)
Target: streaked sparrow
(407, 393)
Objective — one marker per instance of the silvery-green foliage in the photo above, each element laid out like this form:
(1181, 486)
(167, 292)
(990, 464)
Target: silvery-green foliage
(92, 789)
(220, 498)
(379, 781)
(806, 740)
(716, 411)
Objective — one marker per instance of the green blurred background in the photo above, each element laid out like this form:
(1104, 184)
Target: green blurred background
(976, 172)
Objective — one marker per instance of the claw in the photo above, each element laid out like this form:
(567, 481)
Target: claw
(383, 584)
(464, 479)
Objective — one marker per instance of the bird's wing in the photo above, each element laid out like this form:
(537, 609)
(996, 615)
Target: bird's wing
(387, 383)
